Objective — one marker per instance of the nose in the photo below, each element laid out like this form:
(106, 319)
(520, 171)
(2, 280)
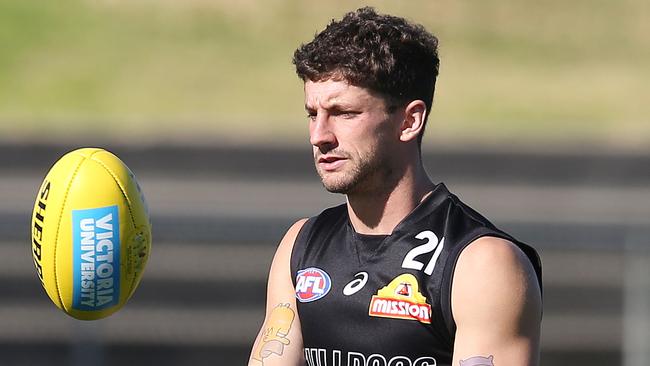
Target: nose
(321, 134)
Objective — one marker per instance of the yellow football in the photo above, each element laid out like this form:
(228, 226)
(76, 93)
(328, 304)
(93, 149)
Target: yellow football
(91, 233)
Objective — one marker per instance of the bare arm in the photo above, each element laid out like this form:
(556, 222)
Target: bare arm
(279, 342)
(496, 304)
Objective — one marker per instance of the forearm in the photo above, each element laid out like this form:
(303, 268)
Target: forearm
(278, 342)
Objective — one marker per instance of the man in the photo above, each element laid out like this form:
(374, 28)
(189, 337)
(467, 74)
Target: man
(403, 273)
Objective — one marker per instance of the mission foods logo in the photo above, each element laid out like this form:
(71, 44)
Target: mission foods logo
(312, 284)
(401, 299)
(96, 258)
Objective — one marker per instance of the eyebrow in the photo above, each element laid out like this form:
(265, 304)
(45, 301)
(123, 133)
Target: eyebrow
(336, 105)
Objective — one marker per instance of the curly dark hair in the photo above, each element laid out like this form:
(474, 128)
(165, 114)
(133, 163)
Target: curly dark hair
(385, 54)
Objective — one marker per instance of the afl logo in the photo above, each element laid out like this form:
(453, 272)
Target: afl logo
(312, 284)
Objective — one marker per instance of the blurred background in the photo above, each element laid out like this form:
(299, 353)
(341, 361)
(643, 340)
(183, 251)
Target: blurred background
(541, 121)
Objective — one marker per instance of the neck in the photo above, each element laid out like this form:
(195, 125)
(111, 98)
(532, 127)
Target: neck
(380, 210)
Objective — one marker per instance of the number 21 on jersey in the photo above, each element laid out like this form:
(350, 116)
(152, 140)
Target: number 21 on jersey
(432, 244)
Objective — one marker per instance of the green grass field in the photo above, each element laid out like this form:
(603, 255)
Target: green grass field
(523, 72)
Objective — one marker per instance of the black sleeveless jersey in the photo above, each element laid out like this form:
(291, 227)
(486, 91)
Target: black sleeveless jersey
(385, 301)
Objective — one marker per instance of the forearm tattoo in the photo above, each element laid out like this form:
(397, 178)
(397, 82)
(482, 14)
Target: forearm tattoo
(478, 361)
(274, 336)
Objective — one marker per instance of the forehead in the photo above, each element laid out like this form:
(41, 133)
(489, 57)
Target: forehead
(328, 93)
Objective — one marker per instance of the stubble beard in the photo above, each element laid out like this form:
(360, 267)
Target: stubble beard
(365, 174)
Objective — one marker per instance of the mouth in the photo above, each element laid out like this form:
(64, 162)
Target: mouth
(330, 163)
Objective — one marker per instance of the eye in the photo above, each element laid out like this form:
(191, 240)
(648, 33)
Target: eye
(346, 114)
(311, 115)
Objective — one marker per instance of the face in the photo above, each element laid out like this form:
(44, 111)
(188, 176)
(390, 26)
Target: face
(352, 136)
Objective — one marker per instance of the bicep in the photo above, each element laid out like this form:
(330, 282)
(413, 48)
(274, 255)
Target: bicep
(496, 304)
(279, 341)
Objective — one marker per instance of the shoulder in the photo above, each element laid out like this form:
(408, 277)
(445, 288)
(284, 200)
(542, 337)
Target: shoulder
(279, 283)
(295, 228)
(492, 252)
(289, 239)
(493, 275)
(327, 219)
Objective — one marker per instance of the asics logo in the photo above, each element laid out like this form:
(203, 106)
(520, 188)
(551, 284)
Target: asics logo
(356, 284)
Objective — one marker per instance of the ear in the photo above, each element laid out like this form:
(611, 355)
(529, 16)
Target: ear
(413, 124)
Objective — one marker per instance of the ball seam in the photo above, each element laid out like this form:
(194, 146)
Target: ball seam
(58, 229)
(128, 205)
(122, 190)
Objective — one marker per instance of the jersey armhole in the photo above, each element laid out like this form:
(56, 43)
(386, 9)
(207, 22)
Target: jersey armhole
(299, 245)
(305, 236)
(452, 260)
